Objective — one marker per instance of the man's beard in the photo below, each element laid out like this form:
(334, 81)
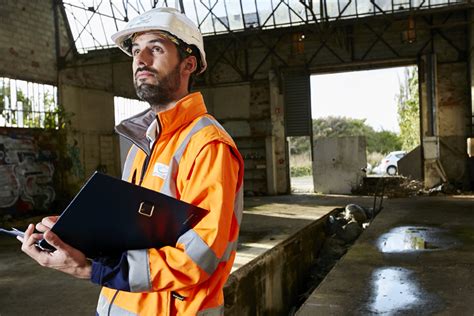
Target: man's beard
(161, 93)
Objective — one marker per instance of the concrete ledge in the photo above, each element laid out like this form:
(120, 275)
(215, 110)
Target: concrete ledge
(269, 284)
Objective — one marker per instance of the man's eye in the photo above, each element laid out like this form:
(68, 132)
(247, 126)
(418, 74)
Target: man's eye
(157, 49)
(135, 52)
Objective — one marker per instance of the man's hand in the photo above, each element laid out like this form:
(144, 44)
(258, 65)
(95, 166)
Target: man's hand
(46, 223)
(65, 258)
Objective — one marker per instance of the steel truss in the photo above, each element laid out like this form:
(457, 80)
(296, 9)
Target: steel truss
(93, 21)
(233, 49)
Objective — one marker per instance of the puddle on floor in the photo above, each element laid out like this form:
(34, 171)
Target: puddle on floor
(415, 238)
(396, 291)
(393, 291)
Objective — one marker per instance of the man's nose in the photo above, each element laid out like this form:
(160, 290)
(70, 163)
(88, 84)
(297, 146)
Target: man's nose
(143, 58)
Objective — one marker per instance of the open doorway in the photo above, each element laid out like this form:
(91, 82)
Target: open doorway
(382, 105)
(301, 169)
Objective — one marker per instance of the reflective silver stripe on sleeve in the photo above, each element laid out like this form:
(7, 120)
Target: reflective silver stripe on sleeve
(169, 186)
(103, 308)
(214, 311)
(139, 270)
(239, 204)
(102, 305)
(127, 167)
(199, 251)
(231, 246)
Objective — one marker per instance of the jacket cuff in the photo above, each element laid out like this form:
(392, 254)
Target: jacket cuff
(111, 272)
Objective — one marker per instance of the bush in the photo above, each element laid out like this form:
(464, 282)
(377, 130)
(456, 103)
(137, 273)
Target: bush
(301, 171)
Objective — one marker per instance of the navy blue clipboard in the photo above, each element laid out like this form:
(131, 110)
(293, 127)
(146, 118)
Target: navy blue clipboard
(109, 216)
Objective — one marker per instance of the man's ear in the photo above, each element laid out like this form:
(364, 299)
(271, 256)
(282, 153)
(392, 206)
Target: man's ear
(190, 64)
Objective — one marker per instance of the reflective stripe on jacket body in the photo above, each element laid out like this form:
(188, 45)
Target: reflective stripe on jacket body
(193, 159)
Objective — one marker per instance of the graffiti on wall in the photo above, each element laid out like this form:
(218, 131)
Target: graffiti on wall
(26, 174)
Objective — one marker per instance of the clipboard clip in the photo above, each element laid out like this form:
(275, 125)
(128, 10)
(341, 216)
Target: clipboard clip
(146, 209)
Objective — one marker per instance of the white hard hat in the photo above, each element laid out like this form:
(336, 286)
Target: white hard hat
(163, 19)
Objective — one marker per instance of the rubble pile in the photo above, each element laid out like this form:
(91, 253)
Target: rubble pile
(406, 187)
(390, 186)
(399, 186)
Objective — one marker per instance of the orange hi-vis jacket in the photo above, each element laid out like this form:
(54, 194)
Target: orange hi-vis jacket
(192, 159)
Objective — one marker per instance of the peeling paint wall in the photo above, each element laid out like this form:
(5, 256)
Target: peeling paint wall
(92, 139)
(453, 118)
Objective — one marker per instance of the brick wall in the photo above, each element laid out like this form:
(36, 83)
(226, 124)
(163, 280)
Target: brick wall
(27, 40)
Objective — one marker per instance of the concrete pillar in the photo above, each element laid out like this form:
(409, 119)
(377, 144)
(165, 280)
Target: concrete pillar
(271, 165)
(471, 68)
(429, 122)
(470, 142)
(278, 161)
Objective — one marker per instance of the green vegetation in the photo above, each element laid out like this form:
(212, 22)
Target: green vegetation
(377, 141)
(409, 110)
(383, 141)
(301, 171)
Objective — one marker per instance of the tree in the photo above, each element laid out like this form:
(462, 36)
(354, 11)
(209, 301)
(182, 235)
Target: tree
(408, 103)
(337, 126)
(382, 142)
(299, 145)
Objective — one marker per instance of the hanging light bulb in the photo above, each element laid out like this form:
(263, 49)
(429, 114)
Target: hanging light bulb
(409, 35)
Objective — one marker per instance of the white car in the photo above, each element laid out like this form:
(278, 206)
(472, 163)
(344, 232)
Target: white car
(389, 164)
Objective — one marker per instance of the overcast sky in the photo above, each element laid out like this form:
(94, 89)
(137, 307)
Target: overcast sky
(360, 94)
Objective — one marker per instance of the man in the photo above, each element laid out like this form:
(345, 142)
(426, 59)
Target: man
(179, 150)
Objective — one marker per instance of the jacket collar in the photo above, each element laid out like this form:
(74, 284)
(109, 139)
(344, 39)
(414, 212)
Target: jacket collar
(184, 112)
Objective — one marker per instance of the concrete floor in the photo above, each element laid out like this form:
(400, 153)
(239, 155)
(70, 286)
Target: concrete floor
(28, 289)
(416, 258)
